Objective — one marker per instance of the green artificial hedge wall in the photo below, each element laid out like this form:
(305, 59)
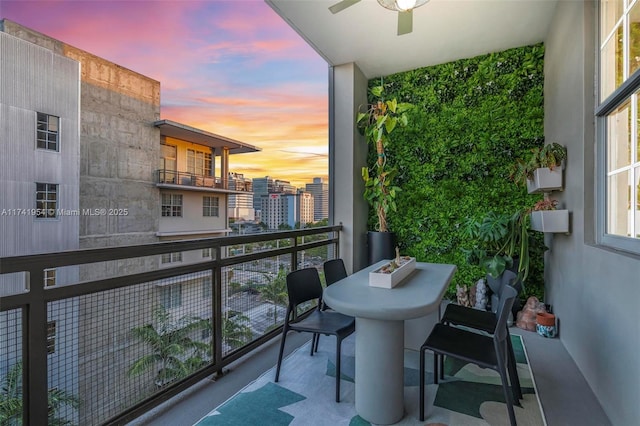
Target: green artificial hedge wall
(473, 119)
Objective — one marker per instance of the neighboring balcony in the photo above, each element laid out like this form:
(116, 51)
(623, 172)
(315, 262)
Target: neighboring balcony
(172, 177)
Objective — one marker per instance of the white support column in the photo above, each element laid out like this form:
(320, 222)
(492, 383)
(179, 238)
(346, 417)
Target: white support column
(347, 156)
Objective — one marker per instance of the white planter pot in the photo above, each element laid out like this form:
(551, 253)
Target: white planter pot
(550, 221)
(545, 180)
(390, 280)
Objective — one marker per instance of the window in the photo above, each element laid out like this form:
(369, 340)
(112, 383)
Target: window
(47, 136)
(206, 287)
(50, 277)
(210, 206)
(51, 337)
(46, 200)
(171, 257)
(205, 334)
(171, 205)
(206, 253)
(198, 162)
(618, 116)
(171, 296)
(168, 163)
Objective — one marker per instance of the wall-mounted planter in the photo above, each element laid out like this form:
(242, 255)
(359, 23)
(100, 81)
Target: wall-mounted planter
(550, 221)
(545, 180)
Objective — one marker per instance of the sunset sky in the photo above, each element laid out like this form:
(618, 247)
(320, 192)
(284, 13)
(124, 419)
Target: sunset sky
(233, 68)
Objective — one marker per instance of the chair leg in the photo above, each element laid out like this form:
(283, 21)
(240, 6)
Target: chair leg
(338, 345)
(317, 342)
(422, 373)
(508, 396)
(284, 337)
(441, 366)
(435, 367)
(313, 342)
(513, 370)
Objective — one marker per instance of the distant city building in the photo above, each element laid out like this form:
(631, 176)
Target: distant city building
(287, 209)
(320, 192)
(261, 186)
(241, 205)
(284, 187)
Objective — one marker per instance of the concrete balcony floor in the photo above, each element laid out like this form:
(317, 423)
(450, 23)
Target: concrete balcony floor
(565, 395)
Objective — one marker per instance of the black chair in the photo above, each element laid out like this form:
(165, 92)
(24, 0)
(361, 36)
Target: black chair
(303, 286)
(484, 351)
(486, 321)
(334, 271)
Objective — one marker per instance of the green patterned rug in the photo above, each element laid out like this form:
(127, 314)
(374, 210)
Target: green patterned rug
(305, 394)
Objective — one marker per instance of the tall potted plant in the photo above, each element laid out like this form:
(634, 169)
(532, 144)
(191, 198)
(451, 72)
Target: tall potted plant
(378, 122)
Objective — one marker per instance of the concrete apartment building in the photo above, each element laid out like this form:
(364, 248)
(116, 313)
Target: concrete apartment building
(138, 178)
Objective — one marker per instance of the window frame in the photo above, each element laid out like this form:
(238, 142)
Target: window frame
(171, 296)
(51, 337)
(49, 277)
(213, 208)
(43, 205)
(173, 257)
(172, 208)
(199, 163)
(628, 91)
(207, 287)
(47, 132)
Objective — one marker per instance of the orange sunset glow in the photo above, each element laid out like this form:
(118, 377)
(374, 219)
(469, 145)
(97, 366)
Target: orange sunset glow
(233, 68)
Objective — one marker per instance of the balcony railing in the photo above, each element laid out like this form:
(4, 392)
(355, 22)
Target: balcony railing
(188, 179)
(121, 332)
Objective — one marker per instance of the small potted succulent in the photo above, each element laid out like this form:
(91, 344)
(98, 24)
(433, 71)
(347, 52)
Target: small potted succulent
(545, 217)
(542, 171)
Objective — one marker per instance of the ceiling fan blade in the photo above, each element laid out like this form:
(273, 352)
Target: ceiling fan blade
(405, 22)
(340, 6)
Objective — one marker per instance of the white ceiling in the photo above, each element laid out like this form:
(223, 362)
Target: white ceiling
(443, 30)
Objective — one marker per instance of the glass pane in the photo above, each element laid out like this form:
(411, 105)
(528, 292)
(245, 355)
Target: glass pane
(633, 48)
(619, 137)
(611, 65)
(637, 212)
(53, 123)
(619, 204)
(610, 13)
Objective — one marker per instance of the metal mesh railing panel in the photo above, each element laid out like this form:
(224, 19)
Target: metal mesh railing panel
(11, 367)
(254, 299)
(116, 348)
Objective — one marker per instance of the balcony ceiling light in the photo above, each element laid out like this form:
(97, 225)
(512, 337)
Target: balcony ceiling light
(401, 5)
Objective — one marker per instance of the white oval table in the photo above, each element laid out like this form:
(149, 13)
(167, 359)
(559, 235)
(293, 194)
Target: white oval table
(380, 314)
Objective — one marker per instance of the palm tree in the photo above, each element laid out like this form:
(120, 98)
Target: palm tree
(11, 400)
(275, 291)
(173, 349)
(235, 330)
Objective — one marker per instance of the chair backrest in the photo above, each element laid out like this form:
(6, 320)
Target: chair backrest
(334, 271)
(303, 285)
(507, 298)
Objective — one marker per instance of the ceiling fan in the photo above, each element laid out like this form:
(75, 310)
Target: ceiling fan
(403, 7)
